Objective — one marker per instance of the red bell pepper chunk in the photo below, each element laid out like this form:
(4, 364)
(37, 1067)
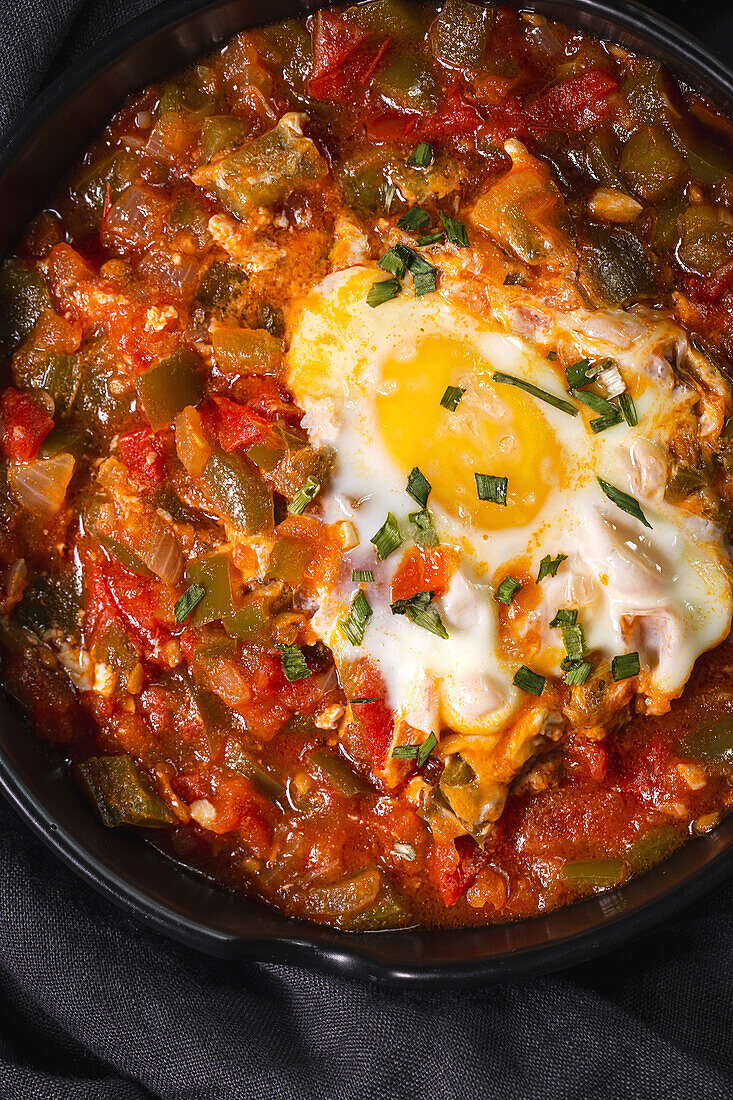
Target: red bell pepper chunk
(444, 867)
(236, 426)
(574, 104)
(140, 452)
(392, 126)
(25, 425)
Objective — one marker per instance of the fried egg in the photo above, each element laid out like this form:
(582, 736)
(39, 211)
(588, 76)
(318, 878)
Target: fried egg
(370, 381)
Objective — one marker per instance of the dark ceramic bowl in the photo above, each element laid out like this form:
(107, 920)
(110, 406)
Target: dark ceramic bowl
(172, 899)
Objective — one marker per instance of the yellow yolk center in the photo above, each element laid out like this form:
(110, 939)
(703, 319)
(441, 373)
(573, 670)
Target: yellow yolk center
(496, 429)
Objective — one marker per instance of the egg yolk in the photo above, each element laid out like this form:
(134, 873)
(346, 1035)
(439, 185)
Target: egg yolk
(496, 429)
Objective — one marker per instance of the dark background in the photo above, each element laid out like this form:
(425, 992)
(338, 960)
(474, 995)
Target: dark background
(93, 1006)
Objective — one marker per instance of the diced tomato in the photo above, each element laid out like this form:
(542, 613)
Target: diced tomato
(236, 426)
(712, 288)
(454, 116)
(444, 868)
(392, 126)
(344, 61)
(140, 452)
(334, 42)
(429, 570)
(574, 104)
(506, 120)
(25, 425)
(135, 599)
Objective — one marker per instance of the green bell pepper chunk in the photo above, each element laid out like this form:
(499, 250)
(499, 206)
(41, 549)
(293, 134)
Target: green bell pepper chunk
(652, 847)
(711, 741)
(220, 285)
(289, 46)
(121, 795)
(338, 773)
(100, 410)
(220, 133)
(250, 622)
(126, 557)
(64, 441)
(706, 240)
(649, 94)
(51, 600)
(168, 387)
(651, 164)
(289, 560)
(239, 760)
(460, 33)
(61, 378)
(603, 161)
(666, 226)
(387, 911)
(616, 268)
(213, 574)
(409, 83)
(114, 649)
(23, 298)
(390, 17)
(240, 492)
(246, 350)
(288, 460)
(593, 873)
(89, 191)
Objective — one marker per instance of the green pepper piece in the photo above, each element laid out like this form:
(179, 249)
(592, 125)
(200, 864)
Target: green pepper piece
(652, 847)
(666, 226)
(220, 285)
(115, 649)
(338, 773)
(251, 622)
(596, 874)
(52, 600)
(711, 741)
(706, 240)
(222, 132)
(289, 560)
(288, 460)
(603, 161)
(238, 759)
(366, 177)
(114, 172)
(246, 350)
(240, 492)
(61, 378)
(651, 164)
(683, 482)
(168, 387)
(390, 17)
(214, 575)
(387, 911)
(409, 83)
(121, 795)
(288, 45)
(23, 298)
(71, 441)
(124, 555)
(616, 268)
(650, 95)
(194, 91)
(264, 171)
(101, 410)
(460, 32)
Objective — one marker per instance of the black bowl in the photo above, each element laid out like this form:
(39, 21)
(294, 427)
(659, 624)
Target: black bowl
(131, 872)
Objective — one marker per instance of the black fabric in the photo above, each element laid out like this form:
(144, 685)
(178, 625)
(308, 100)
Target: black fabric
(93, 1007)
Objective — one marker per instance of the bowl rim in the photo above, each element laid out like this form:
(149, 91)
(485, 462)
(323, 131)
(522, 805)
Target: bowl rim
(310, 945)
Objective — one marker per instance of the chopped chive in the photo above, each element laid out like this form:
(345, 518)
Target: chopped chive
(403, 851)
(417, 609)
(421, 155)
(417, 264)
(565, 616)
(574, 641)
(596, 402)
(493, 488)
(577, 374)
(405, 752)
(387, 538)
(183, 607)
(305, 494)
(625, 666)
(413, 219)
(455, 231)
(426, 748)
(601, 423)
(425, 282)
(507, 590)
(362, 576)
(395, 260)
(359, 615)
(364, 699)
(623, 501)
(451, 397)
(293, 661)
(425, 533)
(529, 681)
(418, 487)
(535, 391)
(382, 292)
(436, 237)
(549, 566)
(628, 408)
(578, 674)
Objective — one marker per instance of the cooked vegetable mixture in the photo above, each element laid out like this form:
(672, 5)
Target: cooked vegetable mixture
(367, 465)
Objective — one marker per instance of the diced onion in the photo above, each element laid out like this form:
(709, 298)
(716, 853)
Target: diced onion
(40, 486)
(157, 547)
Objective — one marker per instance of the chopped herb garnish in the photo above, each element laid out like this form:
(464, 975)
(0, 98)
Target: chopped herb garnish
(529, 681)
(451, 397)
(535, 391)
(359, 615)
(426, 748)
(625, 666)
(294, 666)
(403, 851)
(362, 576)
(549, 566)
(455, 231)
(185, 605)
(577, 374)
(574, 641)
(395, 260)
(578, 674)
(305, 494)
(364, 699)
(417, 609)
(425, 282)
(623, 501)
(405, 752)
(425, 533)
(628, 408)
(382, 292)
(387, 538)
(596, 402)
(421, 155)
(436, 237)
(601, 423)
(493, 488)
(389, 193)
(507, 590)
(418, 486)
(565, 616)
(413, 219)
